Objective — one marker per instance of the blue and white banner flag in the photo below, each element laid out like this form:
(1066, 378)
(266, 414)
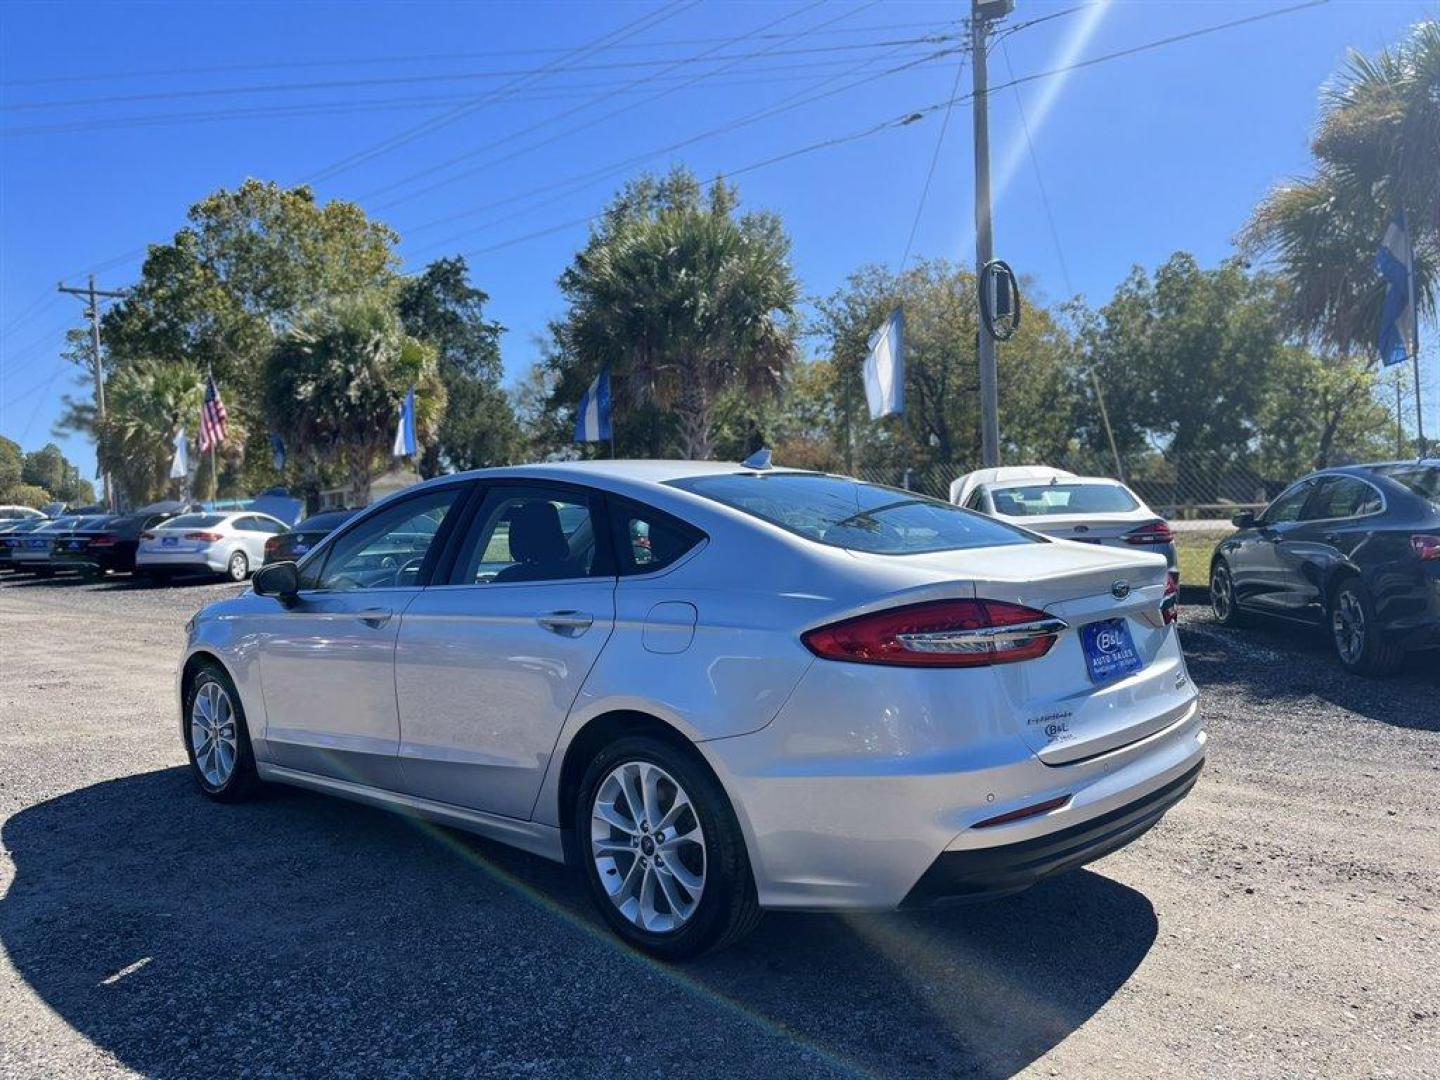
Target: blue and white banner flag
(180, 463)
(885, 367)
(277, 451)
(1396, 263)
(405, 432)
(592, 416)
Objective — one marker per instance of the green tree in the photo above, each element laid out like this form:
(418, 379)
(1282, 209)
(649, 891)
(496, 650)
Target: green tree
(442, 308)
(1320, 411)
(149, 401)
(684, 299)
(12, 462)
(941, 422)
(247, 263)
(334, 383)
(1376, 151)
(48, 468)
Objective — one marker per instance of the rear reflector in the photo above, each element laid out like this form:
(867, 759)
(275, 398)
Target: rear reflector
(1170, 602)
(942, 633)
(1024, 812)
(1156, 532)
(1427, 547)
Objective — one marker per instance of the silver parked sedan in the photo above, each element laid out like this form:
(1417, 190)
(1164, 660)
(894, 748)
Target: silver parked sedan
(712, 688)
(232, 544)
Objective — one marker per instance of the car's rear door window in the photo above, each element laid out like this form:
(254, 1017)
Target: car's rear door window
(1342, 497)
(648, 540)
(854, 515)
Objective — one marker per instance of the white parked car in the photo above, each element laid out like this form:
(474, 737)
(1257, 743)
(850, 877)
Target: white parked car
(1088, 509)
(231, 543)
(11, 514)
(713, 689)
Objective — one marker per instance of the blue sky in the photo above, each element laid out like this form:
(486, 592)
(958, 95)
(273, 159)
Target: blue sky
(1142, 155)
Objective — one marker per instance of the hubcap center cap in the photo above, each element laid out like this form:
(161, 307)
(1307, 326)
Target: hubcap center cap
(647, 846)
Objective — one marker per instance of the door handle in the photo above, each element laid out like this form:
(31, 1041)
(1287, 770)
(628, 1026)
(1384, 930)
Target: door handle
(566, 623)
(374, 618)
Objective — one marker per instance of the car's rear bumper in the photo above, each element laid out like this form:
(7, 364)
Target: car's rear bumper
(195, 562)
(981, 873)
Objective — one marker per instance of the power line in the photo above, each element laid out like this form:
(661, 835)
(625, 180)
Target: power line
(930, 173)
(571, 130)
(1039, 179)
(805, 97)
(928, 110)
(36, 307)
(424, 58)
(393, 142)
(466, 76)
(344, 106)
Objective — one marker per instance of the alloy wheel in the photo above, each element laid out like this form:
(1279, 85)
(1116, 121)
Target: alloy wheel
(213, 734)
(1220, 596)
(1348, 625)
(648, 846)
(238, 565)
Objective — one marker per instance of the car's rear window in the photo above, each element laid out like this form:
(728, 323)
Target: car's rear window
(1423, 480)
(193, 521)
(854, 515)
(1037, 500)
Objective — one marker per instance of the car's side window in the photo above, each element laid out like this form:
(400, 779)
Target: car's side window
(389, 549)
(976, 501)
(266, 525)
(1342, 497)
(1288, 506)
(646, 539)
(531, 533)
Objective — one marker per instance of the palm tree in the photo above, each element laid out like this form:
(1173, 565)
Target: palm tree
(1377, 152)
(148, 402)
(334, 383)
(685, 301)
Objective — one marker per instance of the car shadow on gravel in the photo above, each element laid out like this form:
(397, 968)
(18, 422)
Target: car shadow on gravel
(107, 583)
(305, 936)
(1276, 663)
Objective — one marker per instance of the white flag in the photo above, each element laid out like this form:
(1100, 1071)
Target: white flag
(885, 367)
(180, 464)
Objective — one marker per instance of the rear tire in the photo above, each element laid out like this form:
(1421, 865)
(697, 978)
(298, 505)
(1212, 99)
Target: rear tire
(1355, 632)
(1222, 596)
(704, 844)
(217, 739)
(238, 567)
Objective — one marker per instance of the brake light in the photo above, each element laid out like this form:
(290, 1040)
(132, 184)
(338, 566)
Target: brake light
(1156, 532)
(941, 633)
(207, 537)
(1425, 546)
(104, 540)
(1170, 602)
(272, 544)
(147, 536)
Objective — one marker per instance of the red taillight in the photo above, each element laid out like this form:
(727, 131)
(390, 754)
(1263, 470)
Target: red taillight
(147, 536)
(1170, 602)
(106, 540)
(1157, 532)
(207, 537)
(272, 544)
(942, 633)
(1427, 547)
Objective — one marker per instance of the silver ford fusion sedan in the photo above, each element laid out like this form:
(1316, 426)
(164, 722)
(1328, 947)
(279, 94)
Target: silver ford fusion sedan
(713, 689)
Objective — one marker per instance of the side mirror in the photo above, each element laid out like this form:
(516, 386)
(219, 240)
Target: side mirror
(280, 580)
(1244, 520)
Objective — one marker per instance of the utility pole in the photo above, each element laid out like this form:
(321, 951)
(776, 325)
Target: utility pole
(92, 312)
(982, 13)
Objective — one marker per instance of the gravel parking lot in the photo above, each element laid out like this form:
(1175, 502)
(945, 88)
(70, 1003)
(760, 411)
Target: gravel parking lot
(1283, 921)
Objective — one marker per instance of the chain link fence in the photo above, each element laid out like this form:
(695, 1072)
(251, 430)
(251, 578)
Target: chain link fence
(1179, 487)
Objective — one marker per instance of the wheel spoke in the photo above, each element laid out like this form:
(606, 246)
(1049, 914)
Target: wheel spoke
(611, 815)
(679, 904)
(650, 792)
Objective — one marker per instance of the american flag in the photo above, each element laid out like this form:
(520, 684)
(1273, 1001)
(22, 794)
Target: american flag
(212, 417)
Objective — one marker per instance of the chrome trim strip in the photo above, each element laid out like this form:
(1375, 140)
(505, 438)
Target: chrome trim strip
(981, 639)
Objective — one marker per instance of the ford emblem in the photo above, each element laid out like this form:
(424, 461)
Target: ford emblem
(1120, 589)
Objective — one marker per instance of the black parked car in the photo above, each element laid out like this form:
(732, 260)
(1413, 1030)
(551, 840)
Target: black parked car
(1355, 550)
(109, 545)
(10, 534)
(292, 545)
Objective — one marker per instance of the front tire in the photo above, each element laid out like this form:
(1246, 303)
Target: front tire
(1222, 596)
(238, 567)
(1356, 635)
(217, 740)
(661, 852)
